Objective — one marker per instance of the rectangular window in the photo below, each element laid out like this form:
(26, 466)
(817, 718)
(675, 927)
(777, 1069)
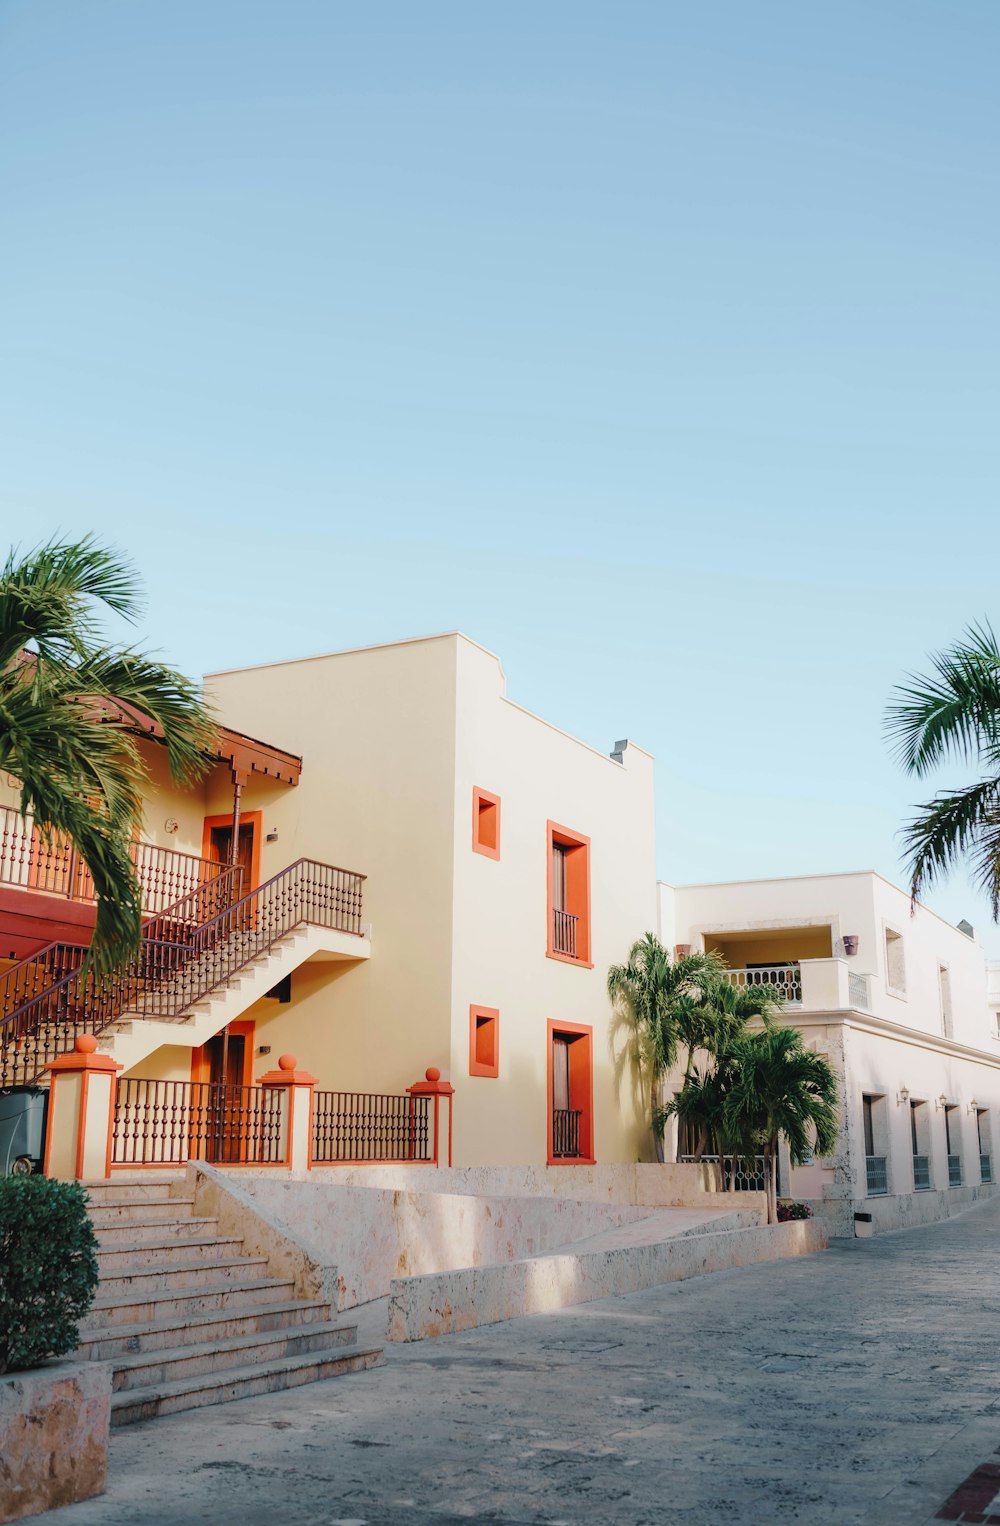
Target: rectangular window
(876, 1164)
(919, 1145)
(485, 823)
(895, 962)
(484, 1041)
(568, 897)
(985, 1153)
(953, 1145)
(866, 1109)
(570, 1094)
(944, 987)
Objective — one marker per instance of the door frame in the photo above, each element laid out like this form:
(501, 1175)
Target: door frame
(581, 1090)
(252, 819)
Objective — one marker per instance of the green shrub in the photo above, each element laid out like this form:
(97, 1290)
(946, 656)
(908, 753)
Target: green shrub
(48, 1268)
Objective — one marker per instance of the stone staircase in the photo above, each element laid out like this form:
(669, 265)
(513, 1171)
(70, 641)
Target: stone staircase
(187, 1319)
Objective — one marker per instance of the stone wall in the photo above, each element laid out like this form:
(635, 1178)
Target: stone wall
(54, 1425)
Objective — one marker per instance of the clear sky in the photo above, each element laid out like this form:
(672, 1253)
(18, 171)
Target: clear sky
(654, 345)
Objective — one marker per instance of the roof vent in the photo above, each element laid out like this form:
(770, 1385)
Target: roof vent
(967, 928)
(618, 750)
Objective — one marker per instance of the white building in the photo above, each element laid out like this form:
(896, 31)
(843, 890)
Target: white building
(900, 1003)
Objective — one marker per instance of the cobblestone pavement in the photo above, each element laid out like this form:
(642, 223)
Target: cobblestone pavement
(860, 1385)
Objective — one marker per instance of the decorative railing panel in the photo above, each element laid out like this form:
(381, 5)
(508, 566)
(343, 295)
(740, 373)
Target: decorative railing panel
(21, 982)
(857, 991)
(921, 1173)
(566, 1133)
(564, 933)
(985, 1170)
(167, 1123)
(371, 1126)
(954, 1170)
(876, 1175)
(785, 979)
(750, 1175)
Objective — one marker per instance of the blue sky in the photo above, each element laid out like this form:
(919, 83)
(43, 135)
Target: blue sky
(653, 345)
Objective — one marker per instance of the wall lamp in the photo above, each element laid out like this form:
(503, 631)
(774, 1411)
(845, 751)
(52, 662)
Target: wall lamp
(903, 1096)
(941, 1101)
(973, 1106)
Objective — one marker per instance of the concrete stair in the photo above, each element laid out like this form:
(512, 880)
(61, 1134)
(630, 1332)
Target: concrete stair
(187, 1319)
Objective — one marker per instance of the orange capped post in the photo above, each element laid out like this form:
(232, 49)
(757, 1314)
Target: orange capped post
(296, 1090)
(83, 1090)
(433, 1086)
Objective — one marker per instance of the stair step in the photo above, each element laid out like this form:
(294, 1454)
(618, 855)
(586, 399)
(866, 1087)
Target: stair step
(156, 1304)
(153, 1210)
(240, 1383)
(170, 1279)
(111, 1341)
(119, 1191)
(132, 1256)
(149, 1369)
(152, 1231)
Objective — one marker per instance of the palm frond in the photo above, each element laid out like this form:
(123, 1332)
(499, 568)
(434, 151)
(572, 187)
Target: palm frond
(954, 711)
(946, 828)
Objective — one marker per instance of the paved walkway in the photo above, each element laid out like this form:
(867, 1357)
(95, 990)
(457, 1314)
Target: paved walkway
(861, 1385)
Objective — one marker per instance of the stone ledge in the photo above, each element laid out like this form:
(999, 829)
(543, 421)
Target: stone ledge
(54, 1425)
(444, 1302)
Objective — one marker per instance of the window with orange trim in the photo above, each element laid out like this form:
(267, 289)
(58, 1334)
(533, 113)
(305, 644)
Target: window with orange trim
(568, 895)
(484, 1041)
(570, 1094)
(485, 823)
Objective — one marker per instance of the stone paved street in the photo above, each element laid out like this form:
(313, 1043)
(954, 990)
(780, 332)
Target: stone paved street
(861, 1385)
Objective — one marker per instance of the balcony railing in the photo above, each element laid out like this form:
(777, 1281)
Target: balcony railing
(875, 1172)
(564, 933)
(171, 1122)
(921, 1173)
(954, 1170)
(857, 991)
(566, 1133)
(749, 1170)
(785, 979)
(985, 1170)
(370, 1126)
(28, 861)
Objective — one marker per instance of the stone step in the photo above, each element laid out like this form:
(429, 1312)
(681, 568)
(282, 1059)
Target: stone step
(111, 1213)
(217, 1324)
(155, 1304)
(222, 1387)
(153, 1231)
(171, 1279)
(121, 1190)
(153, 1369)
(130, 1257)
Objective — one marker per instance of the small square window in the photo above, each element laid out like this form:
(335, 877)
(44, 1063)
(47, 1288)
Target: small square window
(484, 1041)
(485, 823)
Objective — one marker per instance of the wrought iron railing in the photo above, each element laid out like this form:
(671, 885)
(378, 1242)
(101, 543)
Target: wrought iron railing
(30, 861)
(750, 1176)
(785, 979)
(564, 932)
(167, 1123)
(566, 1133)
(29, 977)
(954, 1170)
(369, 1126)
(921, 1173)
(985, 1170)
(876, 1175)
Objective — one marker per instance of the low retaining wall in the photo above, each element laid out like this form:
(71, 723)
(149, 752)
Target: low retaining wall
(54, 1425)
(462, 1300)
(905, 1210)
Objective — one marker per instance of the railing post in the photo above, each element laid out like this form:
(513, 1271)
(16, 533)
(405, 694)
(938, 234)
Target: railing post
(296, 1090)
(433, 1086)
(83, 1089)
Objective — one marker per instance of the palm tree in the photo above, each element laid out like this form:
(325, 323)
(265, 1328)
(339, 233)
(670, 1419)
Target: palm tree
(954, 713)
(780, 1088)
(69, 706)
(653, 999)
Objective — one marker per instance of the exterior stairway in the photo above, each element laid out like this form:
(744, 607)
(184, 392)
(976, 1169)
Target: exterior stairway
(187, 1319)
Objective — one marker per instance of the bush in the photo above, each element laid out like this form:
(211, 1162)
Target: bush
(48, 1268)
(789, 1211)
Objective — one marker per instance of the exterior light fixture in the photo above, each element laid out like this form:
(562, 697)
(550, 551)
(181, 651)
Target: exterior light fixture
(942, 1101)
(973, 1106)
(272, 836)
(903, 1096)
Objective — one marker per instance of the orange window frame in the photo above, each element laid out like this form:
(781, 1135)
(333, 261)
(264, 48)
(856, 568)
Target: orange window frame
(577, 892)
(581, 1090)
(485, 823)
(480, 1018)
(253, 819)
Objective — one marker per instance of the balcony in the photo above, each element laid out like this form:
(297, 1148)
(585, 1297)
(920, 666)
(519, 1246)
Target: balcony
(876, 1176)
(985, 1170)
(811, 985)
(954, 1170)
(564, 933)
(566, 1133)
(54, 868)
(921, 1173)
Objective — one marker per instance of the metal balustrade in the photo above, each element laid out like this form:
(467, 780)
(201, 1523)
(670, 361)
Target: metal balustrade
(566, 1133)
(171, 1122)
(785, 979)
(954, 1170)
(750, 1174)
(29, 977)
(857, 991)
(370, 1126)
(876, 1175)
(30, 860)
(921, 1173)
(564, 933)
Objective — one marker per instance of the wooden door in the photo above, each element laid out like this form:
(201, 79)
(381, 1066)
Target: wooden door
(221, 847)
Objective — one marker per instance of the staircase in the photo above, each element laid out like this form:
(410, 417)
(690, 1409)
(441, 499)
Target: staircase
(187, 1319)
(201, 963)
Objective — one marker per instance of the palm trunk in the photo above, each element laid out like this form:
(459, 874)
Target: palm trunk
(771, 1182)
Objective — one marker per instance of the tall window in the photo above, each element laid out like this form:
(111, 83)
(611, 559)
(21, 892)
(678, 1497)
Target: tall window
(568, 898)
(953, 1146)
(869, 1124)
(921, 1155)
(895, 962)
(985, 1153)
(571, 1093)
(876, 1176)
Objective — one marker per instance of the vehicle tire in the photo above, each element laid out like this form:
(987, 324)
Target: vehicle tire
(22, 1166)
